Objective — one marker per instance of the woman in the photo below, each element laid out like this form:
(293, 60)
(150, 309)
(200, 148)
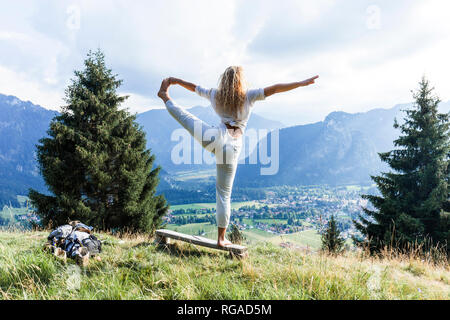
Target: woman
(233, 104)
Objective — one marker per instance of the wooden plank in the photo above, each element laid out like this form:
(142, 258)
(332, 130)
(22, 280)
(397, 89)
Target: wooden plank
(201, 241)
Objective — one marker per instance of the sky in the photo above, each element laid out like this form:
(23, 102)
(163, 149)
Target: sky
(368, 54)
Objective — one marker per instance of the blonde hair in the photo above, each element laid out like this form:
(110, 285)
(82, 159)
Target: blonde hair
(230, 96)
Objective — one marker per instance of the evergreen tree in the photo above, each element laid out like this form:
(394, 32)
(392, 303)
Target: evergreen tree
(94, 160)
(332, 241)
(415, 196)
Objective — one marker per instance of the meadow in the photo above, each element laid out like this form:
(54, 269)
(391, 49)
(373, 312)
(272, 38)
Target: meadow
(136, 268)
(307, 238)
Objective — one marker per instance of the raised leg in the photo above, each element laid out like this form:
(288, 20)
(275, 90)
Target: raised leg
(196, 127)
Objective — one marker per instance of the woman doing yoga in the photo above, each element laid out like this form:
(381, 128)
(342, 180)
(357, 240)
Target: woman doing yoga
(233, 104)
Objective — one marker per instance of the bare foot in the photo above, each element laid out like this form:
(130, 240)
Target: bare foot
(163, 91)
(223, 243)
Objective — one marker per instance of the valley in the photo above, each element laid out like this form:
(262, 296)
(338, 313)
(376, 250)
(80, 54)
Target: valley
(288, 216)
(324, 174)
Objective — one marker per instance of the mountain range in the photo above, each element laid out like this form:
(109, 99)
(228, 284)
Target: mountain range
(341, 149)
(23, 123)
(158, 125)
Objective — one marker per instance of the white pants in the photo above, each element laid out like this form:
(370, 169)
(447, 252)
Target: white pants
(226, 150)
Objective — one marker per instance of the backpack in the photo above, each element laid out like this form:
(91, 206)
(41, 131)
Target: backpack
(57, 236)
(60, 232)
(71, 238)
(92, 244)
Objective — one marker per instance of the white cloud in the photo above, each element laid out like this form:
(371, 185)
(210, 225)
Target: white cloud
(18, 84)
(42, 42)
(138, 103)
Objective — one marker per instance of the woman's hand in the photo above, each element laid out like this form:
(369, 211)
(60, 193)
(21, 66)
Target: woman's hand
(282, 87)
(163, 90)
(309, 81)
(172, 80)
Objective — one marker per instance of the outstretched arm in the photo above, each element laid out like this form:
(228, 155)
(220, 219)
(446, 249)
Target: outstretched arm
(188, 85)
(282, 87)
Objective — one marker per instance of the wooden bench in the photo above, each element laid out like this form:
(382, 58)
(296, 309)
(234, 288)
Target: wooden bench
(163, 236)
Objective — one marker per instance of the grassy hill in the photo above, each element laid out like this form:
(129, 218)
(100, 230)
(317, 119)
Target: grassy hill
(135, 268)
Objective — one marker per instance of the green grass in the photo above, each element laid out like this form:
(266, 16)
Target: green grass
(193, 206)
(307, 238)
(194, 228)
(135, 268)
(197, 215)
(255, 235)
(9, 213)
(194, 175)
(212, 205)
(252, 222)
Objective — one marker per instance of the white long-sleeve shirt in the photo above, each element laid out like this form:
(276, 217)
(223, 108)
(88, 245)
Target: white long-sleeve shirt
(242, 118)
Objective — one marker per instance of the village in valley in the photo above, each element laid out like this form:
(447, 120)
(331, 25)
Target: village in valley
(286, 215)
(285, 210)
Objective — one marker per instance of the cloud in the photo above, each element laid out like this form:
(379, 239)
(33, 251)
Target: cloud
(360, 67)
(368, 54)
(19, 85)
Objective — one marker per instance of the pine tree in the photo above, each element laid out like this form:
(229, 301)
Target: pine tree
(332, 241)
(414, 196)
(94, 160)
